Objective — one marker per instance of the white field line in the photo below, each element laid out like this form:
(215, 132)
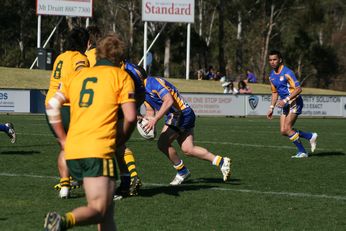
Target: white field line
(214, 142)
(145, 185)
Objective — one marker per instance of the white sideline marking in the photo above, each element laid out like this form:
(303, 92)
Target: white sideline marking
(215, 142)
(290, 194)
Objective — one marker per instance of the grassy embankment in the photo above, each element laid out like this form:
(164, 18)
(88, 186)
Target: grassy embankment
(39, 79)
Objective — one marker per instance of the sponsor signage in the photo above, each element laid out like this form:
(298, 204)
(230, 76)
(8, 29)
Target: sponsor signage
(14, 100)
(313, 105)
(73, 8)
(213, 104)
(168, 10)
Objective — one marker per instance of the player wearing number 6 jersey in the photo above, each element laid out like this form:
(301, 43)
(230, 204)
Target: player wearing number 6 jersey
(164, 98)
(73, 59)
(286, 95)
(95, 95)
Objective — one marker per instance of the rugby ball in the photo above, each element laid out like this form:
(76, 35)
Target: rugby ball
(150, 135)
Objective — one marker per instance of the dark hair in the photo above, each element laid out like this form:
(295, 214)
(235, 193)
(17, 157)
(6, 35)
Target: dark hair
(77, 40)
(277, 53)
(241, 84)
(94, 35)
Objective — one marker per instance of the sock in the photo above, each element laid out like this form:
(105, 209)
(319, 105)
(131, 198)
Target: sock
(305, 135)
(68, 221)
(3, 128)
(218, 161)
(296, 141)
(65, 182)
(130, 162)
(180, 167)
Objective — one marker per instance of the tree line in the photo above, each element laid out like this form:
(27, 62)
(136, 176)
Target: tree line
(230, 35)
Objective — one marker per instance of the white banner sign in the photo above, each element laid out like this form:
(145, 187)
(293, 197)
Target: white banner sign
(168, 10)
(344, 106)
(245, 105)
(313, 105)
(74, 8)
(221, 105)
(14, 100)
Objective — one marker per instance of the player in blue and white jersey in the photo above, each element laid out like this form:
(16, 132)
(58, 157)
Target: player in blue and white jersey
(286, 91)
(163, 99)
(8, 128)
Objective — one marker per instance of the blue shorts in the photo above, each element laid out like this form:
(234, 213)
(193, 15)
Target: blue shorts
(295, 107)
(181, 120)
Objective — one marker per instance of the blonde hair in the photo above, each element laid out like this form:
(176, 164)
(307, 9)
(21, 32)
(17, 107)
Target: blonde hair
(112, 48)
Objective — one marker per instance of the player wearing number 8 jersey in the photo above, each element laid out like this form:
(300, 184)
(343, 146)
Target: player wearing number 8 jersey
(73, 59)
(95, 95)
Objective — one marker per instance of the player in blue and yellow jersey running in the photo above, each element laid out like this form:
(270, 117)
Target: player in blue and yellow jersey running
(286, 91)
(164, 100)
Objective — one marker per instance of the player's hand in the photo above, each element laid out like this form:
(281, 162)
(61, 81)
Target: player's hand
(270, 114)
(151, 124)
(281, 103)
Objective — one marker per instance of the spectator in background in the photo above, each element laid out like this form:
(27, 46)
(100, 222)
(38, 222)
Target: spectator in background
(228, 86)
(251, 77)
(243, 88)
(200, 74)
(211, 73)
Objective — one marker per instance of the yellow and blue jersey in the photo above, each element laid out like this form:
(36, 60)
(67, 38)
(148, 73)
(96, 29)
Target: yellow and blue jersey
(180, 116)
(156, 88)
(284, 82)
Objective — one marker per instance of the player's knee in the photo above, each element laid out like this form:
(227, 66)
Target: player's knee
(284, 131)
(188, 151)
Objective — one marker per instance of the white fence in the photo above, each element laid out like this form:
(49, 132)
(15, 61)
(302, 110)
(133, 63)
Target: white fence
(32, 101)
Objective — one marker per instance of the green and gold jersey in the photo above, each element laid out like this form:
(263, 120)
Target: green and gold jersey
(95, 95)
(65, 64)
(91, 54)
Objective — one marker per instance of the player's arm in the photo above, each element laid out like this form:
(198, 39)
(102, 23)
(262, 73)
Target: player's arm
(295, 85)
(130, 118)
(167, 102)
(288, 99)
(274, 99)
(54, 116)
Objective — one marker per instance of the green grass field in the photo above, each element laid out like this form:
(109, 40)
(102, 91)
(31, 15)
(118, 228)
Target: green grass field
(268, 190)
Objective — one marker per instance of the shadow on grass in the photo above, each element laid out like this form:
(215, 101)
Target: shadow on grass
(189, 185)
(19, 152)
(171, 190)
(324, 154)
